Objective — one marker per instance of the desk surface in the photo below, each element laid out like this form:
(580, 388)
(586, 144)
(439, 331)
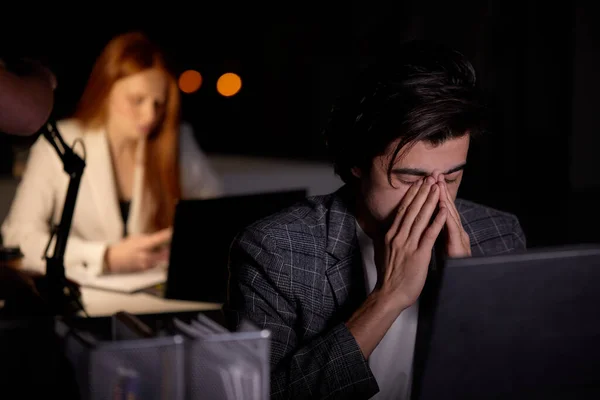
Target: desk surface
(102, 303)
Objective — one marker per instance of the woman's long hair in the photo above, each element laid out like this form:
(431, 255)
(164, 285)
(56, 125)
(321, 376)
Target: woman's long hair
(125, 55)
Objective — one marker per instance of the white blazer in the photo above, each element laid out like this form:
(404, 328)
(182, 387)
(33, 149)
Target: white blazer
(97, 220)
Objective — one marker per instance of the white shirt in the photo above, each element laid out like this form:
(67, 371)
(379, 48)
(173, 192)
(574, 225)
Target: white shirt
(392, 360)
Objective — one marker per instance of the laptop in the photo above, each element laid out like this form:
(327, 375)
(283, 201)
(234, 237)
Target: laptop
(519, 326)
(202, 234)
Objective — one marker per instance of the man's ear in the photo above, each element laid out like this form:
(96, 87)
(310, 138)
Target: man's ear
(356, 172)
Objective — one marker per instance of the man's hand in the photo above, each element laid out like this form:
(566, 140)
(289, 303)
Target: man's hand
(458, 243)
(403, 259)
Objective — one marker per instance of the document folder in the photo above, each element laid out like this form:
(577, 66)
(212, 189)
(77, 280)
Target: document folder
(189, 359)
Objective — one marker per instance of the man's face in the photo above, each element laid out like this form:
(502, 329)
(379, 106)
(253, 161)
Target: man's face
(379, 199)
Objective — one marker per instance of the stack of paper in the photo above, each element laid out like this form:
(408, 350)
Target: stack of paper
(126, 283)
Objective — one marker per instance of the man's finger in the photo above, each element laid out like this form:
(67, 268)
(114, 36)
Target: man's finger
(453, 227)
(402, 207)
(425, 214)
(453, 220)
(415, 207)
(449, 203)
(433, 231)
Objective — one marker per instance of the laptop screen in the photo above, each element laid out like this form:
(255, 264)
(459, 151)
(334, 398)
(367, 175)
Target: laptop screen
(202, 234)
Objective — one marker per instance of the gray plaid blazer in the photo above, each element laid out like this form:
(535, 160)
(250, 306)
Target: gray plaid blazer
(299, 274)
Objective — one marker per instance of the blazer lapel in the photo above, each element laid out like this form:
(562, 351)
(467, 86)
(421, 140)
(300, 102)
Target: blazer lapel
(343, 259)
(101, 179)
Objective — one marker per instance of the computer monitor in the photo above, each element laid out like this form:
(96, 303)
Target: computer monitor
(515, 326)
(202, 234)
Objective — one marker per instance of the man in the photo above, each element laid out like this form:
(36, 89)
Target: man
(337, 278)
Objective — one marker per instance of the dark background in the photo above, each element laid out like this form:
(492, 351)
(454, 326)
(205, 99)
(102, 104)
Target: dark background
(537, 61)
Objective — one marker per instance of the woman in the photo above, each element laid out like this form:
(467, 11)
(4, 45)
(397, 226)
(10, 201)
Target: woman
(139, 161)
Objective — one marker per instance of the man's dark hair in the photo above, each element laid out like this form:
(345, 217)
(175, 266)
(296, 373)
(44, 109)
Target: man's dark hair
(422, 92)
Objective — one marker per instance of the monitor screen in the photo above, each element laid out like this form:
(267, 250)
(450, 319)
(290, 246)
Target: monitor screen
(515, 326)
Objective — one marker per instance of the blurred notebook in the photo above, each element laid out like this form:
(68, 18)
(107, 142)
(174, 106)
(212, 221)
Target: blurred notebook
(126, 283)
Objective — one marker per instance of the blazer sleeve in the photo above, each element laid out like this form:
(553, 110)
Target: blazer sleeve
(198, 177)
(260, 289)
(27, 224)
(519, 238)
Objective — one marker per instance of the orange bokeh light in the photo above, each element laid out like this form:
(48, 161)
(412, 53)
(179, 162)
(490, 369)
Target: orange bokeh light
(190, 81)
(229, 84)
